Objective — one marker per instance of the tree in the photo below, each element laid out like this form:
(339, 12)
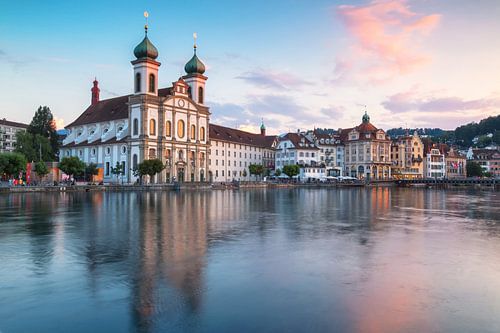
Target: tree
(474, 169)
(277, 172)
(43, 124)
(91, 170)
(291, 170)
(34, 147)
(11, 164)
(256, 169)
(150, 167)
(72, 166)
(244, 173)
(118, 170)
(41, 169)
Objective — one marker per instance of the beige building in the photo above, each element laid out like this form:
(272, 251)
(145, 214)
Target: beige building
(8, 132)
(407, 157)
(367, 151)
(455, 164)
(232, 152)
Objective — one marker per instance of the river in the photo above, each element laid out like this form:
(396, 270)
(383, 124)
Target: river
(283, 260)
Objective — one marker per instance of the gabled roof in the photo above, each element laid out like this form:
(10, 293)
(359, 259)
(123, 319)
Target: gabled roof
(299, 141)
(6, 122)
(222, 133)
(110, 109)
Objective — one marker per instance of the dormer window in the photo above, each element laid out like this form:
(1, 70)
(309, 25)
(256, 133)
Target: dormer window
(105, 130)
(120, 129)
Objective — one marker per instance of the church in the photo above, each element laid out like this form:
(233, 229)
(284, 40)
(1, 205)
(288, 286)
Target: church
(170, 124)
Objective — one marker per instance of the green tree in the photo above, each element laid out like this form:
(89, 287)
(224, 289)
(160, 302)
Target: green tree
(41, 169)
(291, 170)
(256, 169)
(150, 167)
(72, 166)
(91, 170)
(118, 170)
(11, 164)
(43, 124)
(33, 146)
(277, 172)
(474, 169)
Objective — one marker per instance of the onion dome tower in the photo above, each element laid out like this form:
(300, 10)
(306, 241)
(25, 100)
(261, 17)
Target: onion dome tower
(194, 77)
(262, 128)
(145, 65)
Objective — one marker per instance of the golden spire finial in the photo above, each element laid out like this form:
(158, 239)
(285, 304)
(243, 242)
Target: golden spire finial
(146, 15)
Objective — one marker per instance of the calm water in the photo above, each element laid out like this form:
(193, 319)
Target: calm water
(347, 260)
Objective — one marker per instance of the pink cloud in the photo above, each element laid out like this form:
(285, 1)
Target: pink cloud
(385, 38)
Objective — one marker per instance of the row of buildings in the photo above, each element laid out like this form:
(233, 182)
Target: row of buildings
(173, 124)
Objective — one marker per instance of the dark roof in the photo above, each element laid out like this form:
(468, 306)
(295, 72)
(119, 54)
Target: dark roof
(217, 132)
(296, 140)
(105, 110)
(110, 109)
(12, 123)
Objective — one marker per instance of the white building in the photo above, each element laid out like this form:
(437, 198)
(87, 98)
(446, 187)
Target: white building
(8, 132)
(170, 124)
(232, 152)
(331, 151)
(434, 163)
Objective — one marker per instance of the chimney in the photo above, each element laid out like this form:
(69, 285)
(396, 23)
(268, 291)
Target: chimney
(95, 92)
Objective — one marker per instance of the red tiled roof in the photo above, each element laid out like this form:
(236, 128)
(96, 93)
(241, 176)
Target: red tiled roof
(105, 110)
(217, 132)
(296, 140)
(6, 122)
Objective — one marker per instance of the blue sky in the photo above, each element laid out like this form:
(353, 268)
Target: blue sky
(297, 64)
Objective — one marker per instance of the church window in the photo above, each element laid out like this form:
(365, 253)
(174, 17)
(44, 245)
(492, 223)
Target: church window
(180, 128)
(168, 128)
(151, 83)
(152, 153)
(193, 132)
(152, 127)
(136, 127)
(123, 167)
(107, 168)
(200, 95)
(202, 133)
(181, 155)
(137, 82)
(108, 150)
(124, 149)
(134, 162)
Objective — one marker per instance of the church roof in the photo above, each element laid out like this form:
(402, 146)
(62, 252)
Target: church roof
(222, 133)
(109, 109)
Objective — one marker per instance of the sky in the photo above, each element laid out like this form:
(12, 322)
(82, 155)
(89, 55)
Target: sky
(294, 64)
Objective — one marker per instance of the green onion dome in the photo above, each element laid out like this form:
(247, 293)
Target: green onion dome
(146, 49)
(194, 66)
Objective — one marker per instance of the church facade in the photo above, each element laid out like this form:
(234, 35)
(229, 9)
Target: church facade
(171, 124)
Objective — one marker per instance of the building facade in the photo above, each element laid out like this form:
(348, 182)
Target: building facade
(456, 164)
(8, 132)
(407, 157)
(367, 151)
(488, 159)
(435, 163)
(232, 152)
(331, 151)
(170, 124)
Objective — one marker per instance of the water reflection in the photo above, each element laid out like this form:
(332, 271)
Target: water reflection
(360, 260)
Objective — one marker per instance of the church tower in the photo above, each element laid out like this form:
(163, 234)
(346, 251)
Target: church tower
(194, 77)
(95, 93)
(146, 67)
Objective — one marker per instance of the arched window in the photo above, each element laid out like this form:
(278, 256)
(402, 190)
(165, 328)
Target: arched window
(180, 128)
(202, 133)
(134, 162)
(136, 126)
(189, 92)
(193, 132)
(200, 95)
(168, 128)
(152, 127)
(152, 83)
(137, 82)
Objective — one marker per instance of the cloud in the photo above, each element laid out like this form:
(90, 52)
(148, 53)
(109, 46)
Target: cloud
(272, 79)
(385, 40)
(59, 122)
(430, 109)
